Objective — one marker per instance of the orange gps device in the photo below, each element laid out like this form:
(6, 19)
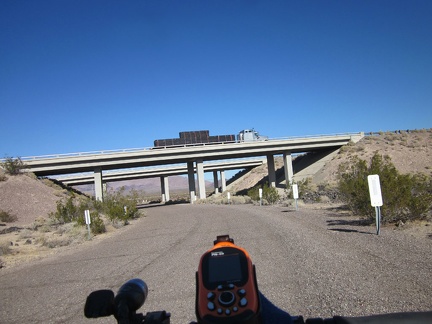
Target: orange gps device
(227, 290)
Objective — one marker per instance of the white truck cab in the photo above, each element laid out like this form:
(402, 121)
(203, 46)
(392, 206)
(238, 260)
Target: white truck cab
(250, 135)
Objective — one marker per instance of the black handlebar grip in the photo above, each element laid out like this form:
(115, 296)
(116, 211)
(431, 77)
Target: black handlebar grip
(130, 297)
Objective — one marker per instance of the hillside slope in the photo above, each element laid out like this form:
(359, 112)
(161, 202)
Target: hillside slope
(410, 152)
(28, 198)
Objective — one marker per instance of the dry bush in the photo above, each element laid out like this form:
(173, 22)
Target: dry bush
(25, 234)
(5, 248)
(405, 196)
(12, 166)
(223, 200)
(7, 217)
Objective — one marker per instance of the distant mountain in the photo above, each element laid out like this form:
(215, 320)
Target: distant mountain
(149, 186)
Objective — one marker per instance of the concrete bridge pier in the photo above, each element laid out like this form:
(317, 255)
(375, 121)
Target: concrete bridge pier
(288, 167)
(223, 181)
(271, 170)
(191, 179)
(98, 183)
(215, 182)
(165, 189)
(200, 179)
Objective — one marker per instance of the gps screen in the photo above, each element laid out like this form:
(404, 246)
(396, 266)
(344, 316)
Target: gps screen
(225, 268)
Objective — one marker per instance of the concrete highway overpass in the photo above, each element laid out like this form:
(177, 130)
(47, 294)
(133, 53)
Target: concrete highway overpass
(164, 172)
(194, 157)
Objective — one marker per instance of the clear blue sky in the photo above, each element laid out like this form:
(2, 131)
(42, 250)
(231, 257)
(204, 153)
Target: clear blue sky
(84, 75)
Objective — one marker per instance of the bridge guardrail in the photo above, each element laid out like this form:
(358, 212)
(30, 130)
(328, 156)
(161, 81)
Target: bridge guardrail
(102, 152)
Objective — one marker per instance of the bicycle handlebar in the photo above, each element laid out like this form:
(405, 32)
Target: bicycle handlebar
(102, 303)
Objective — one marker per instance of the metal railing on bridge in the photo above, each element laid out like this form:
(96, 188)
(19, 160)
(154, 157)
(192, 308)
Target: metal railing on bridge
(131, 150)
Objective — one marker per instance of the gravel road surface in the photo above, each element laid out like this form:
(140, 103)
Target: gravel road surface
(316, 263)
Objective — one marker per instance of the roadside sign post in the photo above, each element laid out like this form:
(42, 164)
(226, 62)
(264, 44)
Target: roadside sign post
(376, 198)
(295, 194)
(260, 195)
(88, 221)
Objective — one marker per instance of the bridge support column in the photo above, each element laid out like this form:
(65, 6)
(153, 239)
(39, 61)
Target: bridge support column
(200, 178)
(165, 189)
(215, 182)
(191, 179)
(223, 181)
(271, 171)
(289, 173)
(98, 183)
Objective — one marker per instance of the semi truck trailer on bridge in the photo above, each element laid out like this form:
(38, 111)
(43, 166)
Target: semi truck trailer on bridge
(204, 137)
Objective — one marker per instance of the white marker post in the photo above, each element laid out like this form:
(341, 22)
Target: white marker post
(260, 195)
(295, 194)
(87, 220)
(229, 198)
(376, 198)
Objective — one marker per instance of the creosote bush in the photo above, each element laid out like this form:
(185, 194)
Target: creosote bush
(117, 207)
(70, 211)
(7, 217)
(5, 248)
(405, 196)
(269, 194)
(12, 166)
(120, 207)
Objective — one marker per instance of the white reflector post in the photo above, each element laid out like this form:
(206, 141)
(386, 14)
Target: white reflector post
(375, 190)
(295, 194)
(295, 191)
(87, 216)
(87, 220)
(376, 198)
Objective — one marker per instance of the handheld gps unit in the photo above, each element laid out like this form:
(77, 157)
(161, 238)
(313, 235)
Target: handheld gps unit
(227, 290)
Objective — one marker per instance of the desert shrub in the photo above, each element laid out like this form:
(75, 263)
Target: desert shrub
(54, 242)
(7, 217)
(269, 194)
(254, 193)
(240, 200)
(66, 211)
(97, 225)
(119, 206)
(12, 166)
(70, 210)
(5, 248)
(116, 206)
(306, 186)
(405, 197)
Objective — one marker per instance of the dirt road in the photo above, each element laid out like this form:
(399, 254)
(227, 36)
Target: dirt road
(310, 262)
